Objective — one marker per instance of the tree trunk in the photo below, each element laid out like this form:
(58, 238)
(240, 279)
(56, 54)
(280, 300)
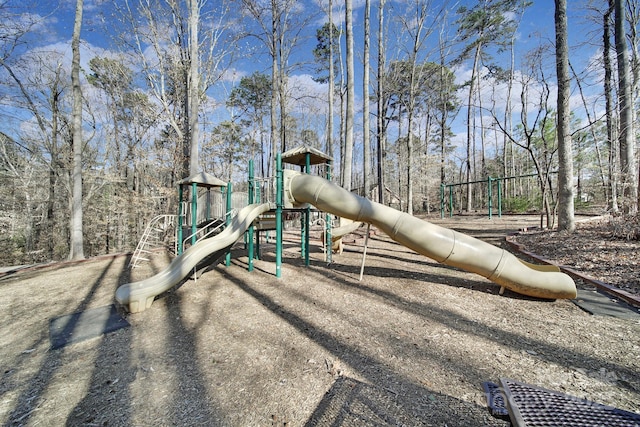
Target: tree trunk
(274, 88)
(443, 111)
(410, 166)
(193, 89)
(348, 138)
(633, 18)
(330, 124)
(627, 149)
(380, 103)
(507, 146)
(566, 220)
(76, 248)
(366, 137)
(470, 127)
(282, 97)
(609, 108)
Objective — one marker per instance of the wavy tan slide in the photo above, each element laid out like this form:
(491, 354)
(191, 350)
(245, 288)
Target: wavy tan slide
(139, 296)
(446, 246)
(347, 226)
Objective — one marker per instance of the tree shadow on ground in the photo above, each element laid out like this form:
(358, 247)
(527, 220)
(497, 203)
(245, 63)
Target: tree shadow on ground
(194, 405)
(31, 397)
(350, 402)
(108, 397)
(543, 350)
(394, 399)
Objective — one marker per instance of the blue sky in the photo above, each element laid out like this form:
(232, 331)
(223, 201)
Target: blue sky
(537, 24)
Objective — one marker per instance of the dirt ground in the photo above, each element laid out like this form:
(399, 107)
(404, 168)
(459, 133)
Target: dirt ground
(409, 345)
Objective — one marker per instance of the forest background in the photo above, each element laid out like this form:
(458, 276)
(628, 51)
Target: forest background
(406, 96)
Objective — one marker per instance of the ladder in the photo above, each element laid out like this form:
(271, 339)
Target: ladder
(152, 237)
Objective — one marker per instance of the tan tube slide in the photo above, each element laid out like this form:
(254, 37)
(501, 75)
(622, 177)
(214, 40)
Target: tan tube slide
(347, 227)
(139, 296)
(441, 244)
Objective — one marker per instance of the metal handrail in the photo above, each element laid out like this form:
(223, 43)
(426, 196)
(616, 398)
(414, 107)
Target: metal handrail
(266, 188)
(231, 214)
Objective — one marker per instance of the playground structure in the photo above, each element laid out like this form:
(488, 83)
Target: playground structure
(203, 216)
(299, 191)
(494, 199)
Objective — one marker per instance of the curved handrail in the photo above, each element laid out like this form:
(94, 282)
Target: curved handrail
(232, 213)
(138, 296)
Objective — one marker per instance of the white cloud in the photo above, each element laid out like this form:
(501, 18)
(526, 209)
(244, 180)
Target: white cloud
(233, 75)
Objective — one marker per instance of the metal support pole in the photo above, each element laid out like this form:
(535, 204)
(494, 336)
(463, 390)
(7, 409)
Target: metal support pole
(279, 206)
(228, 221)
(451, 201)
(250, 252)
(364, 252)
(307, 216)
(258, 199)
(208, 204)
(180, 221)
(489, 195)
(327, 222)
(194, 213)
(303, 230)
(499, 198)
(442, 200)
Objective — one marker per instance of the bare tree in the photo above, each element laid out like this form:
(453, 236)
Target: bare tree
(330, 124)
(418, 25)
(279, 28)
(625, 106)
(193, 85)
(76, 247)
(612, 141)
(480, 27)
(180, 58)
(366, 135)
(380, 104)
(566, 221)
(536, 134)
(325, 55)
(350, 108)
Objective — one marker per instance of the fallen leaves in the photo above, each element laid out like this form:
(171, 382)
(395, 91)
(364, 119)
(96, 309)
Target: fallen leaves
(597, 248)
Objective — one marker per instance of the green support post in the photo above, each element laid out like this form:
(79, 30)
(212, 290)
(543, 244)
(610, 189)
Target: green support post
(258, 199)
(442, 200)
(250, 231)
(327, 224)
(307, 217)
(228, 221)
(450, 201)
(180, 221)
(489, 195)
(279, 203)
(208, 204)
(499, 198)
(303, 229)
(194, 213)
